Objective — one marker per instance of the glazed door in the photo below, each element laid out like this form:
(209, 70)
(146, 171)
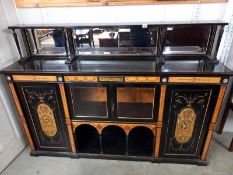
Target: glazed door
(187, 114)
(135, 102)
(44, 114)
(88, 101)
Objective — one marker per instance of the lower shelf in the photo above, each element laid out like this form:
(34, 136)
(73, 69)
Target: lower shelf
(87, 139)
(113, 141)
(141, 142)
(135, 110)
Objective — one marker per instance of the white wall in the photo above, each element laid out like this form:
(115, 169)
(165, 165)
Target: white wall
(225, 49)
(229, 62)
(229, 18)
(122, 14)
(12, 140)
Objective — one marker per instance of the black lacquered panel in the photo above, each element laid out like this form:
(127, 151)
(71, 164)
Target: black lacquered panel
(45, 116)
(186, 117)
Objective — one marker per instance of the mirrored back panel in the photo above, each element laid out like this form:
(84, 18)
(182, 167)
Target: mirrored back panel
(47, 41)
(187, 39)
(157, 41)
(133, 40)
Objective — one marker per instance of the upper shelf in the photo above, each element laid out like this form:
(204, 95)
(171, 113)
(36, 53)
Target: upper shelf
(147, 24)
(120, 39)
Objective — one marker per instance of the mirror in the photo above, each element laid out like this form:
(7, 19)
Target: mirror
(115, 41)
(186, 39)
(47, 41)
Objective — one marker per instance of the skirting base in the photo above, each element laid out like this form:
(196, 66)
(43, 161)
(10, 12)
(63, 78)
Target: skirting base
(121, 157)
(55, 154)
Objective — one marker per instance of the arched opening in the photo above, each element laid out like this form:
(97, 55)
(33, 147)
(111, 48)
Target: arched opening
(87, 139)
(140, 141)
(114, 140)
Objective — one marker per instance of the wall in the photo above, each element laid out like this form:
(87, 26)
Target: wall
(229, 61)
(225, 49)
(12, 140)
(119, 14)
(229, 17)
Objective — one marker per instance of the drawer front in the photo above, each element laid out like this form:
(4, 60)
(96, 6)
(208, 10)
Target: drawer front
(45, 116)
(127, 79)
(187, 115)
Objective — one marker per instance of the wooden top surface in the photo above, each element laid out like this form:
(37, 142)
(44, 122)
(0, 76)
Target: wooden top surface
(121, 65)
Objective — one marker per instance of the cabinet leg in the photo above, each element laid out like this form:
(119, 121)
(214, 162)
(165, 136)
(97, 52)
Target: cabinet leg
(231, 146)
(224, 118)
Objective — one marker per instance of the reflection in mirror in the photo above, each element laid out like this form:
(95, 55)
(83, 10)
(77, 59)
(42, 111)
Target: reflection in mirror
(186, 39)
(115, 41)
(48, 41)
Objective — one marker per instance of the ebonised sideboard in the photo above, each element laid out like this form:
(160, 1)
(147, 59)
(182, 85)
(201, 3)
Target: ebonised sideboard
(159, 107)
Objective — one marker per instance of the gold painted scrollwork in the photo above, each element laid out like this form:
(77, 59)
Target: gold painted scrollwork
(185, 124)
(47, 120)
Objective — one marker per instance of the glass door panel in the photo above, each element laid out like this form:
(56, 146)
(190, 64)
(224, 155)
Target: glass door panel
(135, 103)
(89, 101)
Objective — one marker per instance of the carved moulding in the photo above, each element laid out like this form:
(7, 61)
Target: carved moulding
(127, 127)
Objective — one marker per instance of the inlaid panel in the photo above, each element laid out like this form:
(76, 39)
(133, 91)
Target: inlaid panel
(45, 116)
(187, 115)
(47, 119)
(185, 124)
